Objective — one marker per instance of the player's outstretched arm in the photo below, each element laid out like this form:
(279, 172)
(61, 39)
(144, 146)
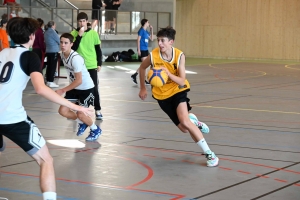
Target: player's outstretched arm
(40, 88)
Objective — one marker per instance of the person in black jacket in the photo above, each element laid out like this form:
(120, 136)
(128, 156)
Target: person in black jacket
(115, 6)
(96, 13)
(111, 14)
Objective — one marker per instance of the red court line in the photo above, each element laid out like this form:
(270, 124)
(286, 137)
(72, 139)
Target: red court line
(297, 184)
(224, 168)
(244, 172)
(188, 161)
(283, 181)
(261, 165)
(262, 176)
(149, 156)
(168, 158)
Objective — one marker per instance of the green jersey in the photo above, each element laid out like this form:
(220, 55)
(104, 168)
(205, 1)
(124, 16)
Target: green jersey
(86, 48)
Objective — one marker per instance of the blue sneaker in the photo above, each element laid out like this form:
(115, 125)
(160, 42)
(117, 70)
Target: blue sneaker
(202, 126)
(212, 159)
(99, 116)
(81, 129)
(94, 134)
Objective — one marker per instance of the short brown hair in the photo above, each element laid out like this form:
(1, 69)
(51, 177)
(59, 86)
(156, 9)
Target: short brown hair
(68, 36)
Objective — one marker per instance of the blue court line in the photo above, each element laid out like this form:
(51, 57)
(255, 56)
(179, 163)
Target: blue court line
(34, 193)
(85, 185)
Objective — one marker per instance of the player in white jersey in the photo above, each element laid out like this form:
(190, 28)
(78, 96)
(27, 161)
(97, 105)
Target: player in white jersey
(17, 66)
(80, 90)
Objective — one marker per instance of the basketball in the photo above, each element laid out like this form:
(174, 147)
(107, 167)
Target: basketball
(157, 77)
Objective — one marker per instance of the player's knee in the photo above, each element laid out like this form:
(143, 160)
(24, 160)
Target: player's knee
(185, 124)
(3, 147)
(62, 111)
(80, 115)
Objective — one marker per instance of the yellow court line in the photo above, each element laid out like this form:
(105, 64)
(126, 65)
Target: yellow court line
(287, 66)
(263, 73)
(248, 109)
(215, 107)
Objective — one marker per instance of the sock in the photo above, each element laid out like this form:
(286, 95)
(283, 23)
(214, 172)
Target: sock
(93, 127)
(79, 121)
(202, 143)
(49, 196)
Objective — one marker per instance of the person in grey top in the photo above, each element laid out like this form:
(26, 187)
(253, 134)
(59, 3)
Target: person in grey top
(52, 48)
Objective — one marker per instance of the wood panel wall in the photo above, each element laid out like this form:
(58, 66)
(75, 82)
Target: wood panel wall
(248, 29)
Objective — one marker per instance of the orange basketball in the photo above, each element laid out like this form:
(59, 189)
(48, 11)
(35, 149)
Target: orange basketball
(157, 77)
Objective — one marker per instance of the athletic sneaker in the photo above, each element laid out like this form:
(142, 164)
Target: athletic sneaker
(52, 85)
(202, 126)
(94, 134)
(99, 116)
(212, 159)
(147, 83)
(81, 129)
(133, 77)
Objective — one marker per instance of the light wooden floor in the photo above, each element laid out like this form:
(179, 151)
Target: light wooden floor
(252, 109)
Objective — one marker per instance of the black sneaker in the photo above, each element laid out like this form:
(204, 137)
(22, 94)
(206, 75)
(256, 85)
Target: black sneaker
(133, 77)
(147, 83)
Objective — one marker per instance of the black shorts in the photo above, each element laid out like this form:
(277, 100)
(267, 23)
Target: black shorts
(95, 13)
(25, 134)
(169, 105)
(83, 98)
(144, 53)
(110, 15)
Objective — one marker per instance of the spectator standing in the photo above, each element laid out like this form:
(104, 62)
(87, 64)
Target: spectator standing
(115, 6)
(52, 49)
(96, 12)
(39, 46)
(4, 43)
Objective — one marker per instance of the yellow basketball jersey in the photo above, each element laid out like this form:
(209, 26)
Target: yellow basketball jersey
(170, 88)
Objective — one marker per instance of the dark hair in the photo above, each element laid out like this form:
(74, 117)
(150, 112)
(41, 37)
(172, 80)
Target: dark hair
(41, 22)
(68, 36)
(4, 16)
(4, 19)
(144, 21)
(49, 25)
(82, 15)
(19, 29)
(168, 32)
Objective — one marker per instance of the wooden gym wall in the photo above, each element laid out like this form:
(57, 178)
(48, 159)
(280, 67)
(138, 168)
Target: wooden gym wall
(248, 29)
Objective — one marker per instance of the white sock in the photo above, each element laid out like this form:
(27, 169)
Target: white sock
(93, 127)
(49, 196)
(79, 121)
(202, 143)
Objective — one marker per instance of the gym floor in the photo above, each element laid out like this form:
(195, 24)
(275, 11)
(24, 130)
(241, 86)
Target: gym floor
(251, 107)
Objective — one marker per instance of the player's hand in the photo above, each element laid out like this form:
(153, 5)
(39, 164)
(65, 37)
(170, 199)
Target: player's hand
(151, 27)
(139, 53)
(143, 94)
(60, 91)
(81, 31)
(166, 70)
(98, 68)
(87, 111)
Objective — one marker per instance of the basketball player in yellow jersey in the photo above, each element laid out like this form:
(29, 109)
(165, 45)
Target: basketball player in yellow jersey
(172, 97)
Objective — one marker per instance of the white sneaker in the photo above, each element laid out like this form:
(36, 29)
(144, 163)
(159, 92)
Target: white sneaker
(52, 85)
(212, 159)
(99, 116)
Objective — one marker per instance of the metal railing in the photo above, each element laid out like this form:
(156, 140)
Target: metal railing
(126, 22)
